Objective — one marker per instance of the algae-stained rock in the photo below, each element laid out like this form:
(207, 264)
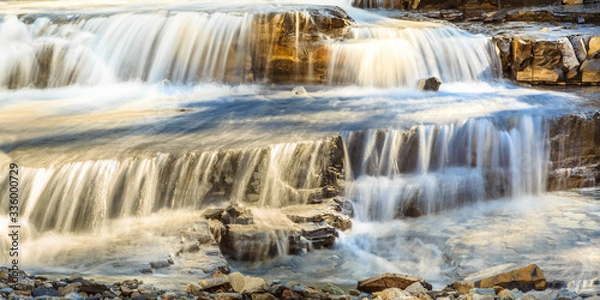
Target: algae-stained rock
(332, 289)
(389, 280)
(524, 279)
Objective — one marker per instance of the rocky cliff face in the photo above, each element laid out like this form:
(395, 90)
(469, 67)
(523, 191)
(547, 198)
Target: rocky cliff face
(565, 60)
(574, 152)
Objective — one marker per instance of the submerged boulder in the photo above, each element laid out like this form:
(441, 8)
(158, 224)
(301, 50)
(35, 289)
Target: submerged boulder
(430, 84)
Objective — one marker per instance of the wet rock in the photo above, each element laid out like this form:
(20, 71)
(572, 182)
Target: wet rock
(354, 292)
(250, 243)
(299, 91)
(216, 283)
(570, 63)
(237, 214)
(263, 296)
(214, 213)
(524, 279)
(594, 47)
(70, 288)
(332, 289)
(430, 84)
(92, 288)
(389, 280)
(245, 284)
(228, 296)
(393, 294)
(291, 295)
(37, 292)
(328, 211)
(160, 264)
(590, 71)
(319, 235)
(416, 289)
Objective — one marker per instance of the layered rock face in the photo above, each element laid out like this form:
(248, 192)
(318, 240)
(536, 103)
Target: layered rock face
(566, 60)
(574, 152)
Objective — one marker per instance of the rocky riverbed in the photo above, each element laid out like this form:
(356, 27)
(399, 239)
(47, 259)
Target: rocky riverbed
(526, 282)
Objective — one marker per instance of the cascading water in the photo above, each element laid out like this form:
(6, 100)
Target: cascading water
(430, 168)
(128, 123)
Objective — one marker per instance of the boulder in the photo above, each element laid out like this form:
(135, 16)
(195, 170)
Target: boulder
(389, 280)
(332, 289)
(237, 214)
(328, 211)
(590, 70)
(216, 283)
(291, 295)
(430, 84)
(593, 47)
(319, 235)
(524, 279)
(393, 294)
(522, 56)
(570, 63)
(578, 43)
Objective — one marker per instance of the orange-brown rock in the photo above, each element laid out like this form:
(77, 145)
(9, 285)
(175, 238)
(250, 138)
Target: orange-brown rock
(389, 280)
(525, 279)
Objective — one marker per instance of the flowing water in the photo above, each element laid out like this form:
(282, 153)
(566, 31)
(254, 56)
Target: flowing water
(128, 119)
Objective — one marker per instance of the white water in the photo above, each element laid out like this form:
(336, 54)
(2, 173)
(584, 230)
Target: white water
(127, 140)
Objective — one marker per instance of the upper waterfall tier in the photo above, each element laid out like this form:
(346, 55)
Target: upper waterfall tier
(256, 44)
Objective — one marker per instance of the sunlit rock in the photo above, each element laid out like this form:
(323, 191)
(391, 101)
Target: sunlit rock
(525, 279)
(430, 84)
(389, 280)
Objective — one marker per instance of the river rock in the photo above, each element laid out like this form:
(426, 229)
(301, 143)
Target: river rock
(524, 279)
(328, 211)
(332, 289)
(291, 295)
(393, 294)
(263, 296)
(37, 292)
(216, 283)
(594, 47)
(430, 84)
(389, 280)
(228, 296)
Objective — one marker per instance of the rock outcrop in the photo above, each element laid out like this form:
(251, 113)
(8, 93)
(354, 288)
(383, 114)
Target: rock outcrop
(574, 152)
(524, 279)
(389, 280)
(565, 60)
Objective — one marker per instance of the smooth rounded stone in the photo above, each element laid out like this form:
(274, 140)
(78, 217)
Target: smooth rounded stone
(354, 292)
(146, 289)
(277, 287)
(430, 84)
(6, 290)
(190, 248)
(237, 281)
(228, 296)
(14, 296)
(393, 294)
(332, 289)
(263, 296)
(69, 288)
(74, 296)
(215, 283)
(92, 288)
(169, 296)
(290, 295)
(44, 292)
(253, 285)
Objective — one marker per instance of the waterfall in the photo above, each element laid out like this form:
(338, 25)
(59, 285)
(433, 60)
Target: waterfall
(85, 195)
(315, 45)
(430, 167)
(386, 57)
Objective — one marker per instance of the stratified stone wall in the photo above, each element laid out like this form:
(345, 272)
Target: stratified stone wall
(574, 152)
(565, 60)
